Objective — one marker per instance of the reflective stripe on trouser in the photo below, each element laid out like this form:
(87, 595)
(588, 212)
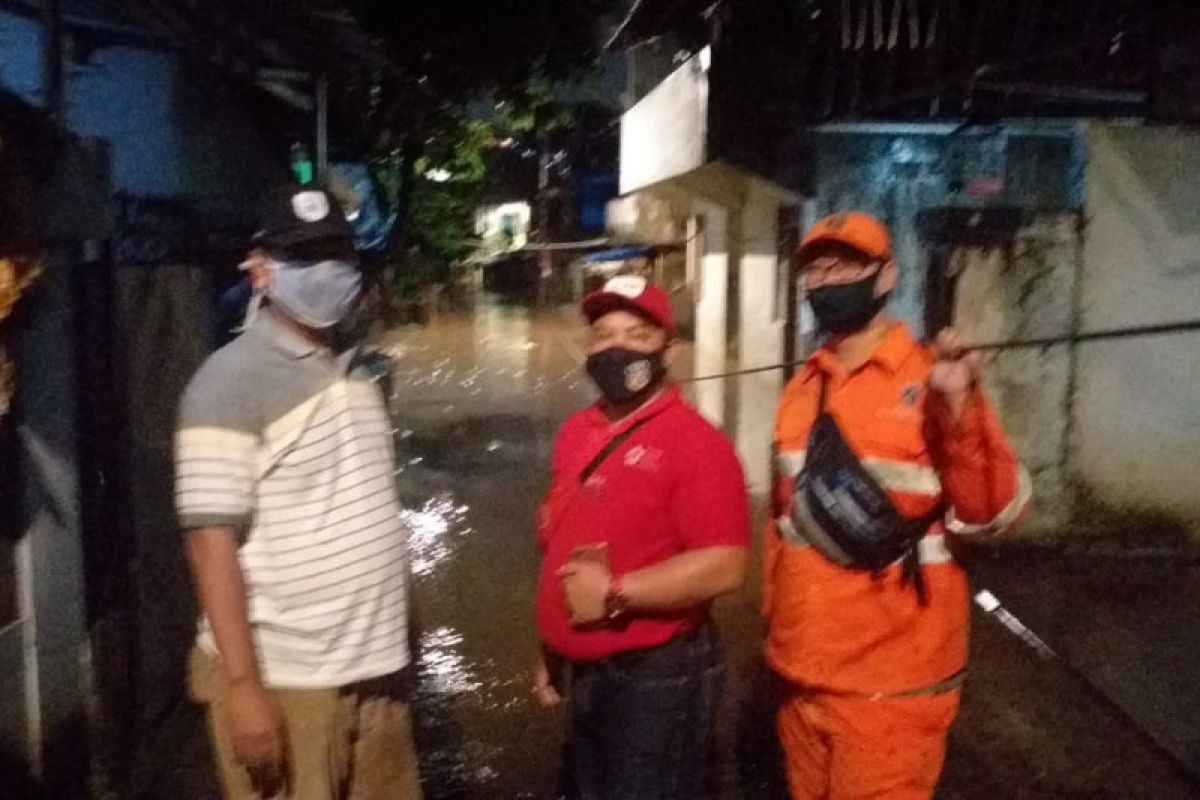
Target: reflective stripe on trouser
(851, 747)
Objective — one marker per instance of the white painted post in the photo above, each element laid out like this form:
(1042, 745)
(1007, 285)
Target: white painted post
(760, 338)
(711, 344)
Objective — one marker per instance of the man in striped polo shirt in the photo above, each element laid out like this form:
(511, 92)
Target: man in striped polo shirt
(284, 484)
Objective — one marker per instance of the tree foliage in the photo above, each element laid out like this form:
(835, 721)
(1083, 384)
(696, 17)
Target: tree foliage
(462, 76)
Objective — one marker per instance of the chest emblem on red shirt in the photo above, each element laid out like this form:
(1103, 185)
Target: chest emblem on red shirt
(645, 458)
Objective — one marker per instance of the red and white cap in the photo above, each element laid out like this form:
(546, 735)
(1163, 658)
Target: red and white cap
(631, 293)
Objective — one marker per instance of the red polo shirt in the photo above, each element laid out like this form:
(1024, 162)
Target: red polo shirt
(675, 485)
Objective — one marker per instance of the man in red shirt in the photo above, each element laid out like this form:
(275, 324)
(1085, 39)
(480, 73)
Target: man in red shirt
(645, 523)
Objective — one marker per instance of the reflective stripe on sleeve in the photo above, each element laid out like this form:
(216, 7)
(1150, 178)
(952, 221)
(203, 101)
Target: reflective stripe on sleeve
(906, 478)
(789, 462)
(893, 476)
(1007, 516)
(931, 548)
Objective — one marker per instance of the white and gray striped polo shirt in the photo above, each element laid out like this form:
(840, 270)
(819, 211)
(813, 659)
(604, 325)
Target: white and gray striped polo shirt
(292, 445)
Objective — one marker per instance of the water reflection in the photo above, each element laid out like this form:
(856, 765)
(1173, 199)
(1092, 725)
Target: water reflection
(476, 402)
(434, 528)
(442, 666)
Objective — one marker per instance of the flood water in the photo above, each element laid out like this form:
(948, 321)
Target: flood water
(477, 399)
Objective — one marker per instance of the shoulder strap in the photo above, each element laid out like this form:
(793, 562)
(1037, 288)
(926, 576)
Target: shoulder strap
(612, 445)
(821, 396)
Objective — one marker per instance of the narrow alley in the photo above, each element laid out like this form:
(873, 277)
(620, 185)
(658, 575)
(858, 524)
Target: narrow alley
(971, 226)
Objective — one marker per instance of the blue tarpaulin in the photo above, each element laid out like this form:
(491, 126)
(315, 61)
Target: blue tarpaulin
(374, 221)
(619, 254)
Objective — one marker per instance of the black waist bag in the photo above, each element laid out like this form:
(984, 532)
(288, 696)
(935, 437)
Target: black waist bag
(842, 511)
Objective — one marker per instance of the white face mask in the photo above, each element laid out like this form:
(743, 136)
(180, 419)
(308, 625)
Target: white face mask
(318, 295)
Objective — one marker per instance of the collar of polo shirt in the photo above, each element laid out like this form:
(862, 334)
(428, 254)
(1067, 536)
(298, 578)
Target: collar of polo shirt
(295, 346)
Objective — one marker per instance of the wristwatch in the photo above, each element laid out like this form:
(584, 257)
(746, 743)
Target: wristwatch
(616, 605)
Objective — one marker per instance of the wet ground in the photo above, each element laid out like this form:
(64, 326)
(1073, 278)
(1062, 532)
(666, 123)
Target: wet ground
(1117, 713)
(478, 399)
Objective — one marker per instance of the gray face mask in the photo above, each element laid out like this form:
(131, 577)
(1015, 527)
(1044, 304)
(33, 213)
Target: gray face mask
(318, 295)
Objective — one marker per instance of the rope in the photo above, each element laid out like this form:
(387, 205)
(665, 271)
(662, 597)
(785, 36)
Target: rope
(1115, 333)
(1012, 344)
(751, 371)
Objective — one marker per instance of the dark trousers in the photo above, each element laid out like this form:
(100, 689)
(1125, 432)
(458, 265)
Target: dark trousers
(642, 723)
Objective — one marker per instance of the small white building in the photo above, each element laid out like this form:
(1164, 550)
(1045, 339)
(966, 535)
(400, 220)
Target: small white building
(729, 220)
(503, 227)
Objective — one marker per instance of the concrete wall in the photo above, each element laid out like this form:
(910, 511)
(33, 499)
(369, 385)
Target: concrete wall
(760, 337)
(1025, 292)
(897, 171)
(1114, 450)
(1138, 400)
(1102, 426)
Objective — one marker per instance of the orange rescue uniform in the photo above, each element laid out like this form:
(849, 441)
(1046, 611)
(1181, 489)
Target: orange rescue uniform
(872, 673)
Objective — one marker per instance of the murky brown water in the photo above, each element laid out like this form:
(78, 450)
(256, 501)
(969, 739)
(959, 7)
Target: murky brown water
(478, 400)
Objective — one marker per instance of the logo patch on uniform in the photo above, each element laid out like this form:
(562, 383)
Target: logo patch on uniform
(910, 394)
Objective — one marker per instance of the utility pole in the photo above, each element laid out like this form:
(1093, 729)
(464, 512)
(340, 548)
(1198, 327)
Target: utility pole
(322, 127)
(545, 257)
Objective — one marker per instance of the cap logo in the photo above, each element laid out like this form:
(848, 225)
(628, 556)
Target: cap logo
(628, 286)
(836, 222)
(310, 206)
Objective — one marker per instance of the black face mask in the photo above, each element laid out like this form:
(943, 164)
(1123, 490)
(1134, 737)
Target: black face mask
(624, 376)
(847, 308)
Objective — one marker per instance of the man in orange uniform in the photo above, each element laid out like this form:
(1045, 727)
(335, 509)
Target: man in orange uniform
(873, 658)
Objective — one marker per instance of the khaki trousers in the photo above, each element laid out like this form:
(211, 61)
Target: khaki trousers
(348, 743)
